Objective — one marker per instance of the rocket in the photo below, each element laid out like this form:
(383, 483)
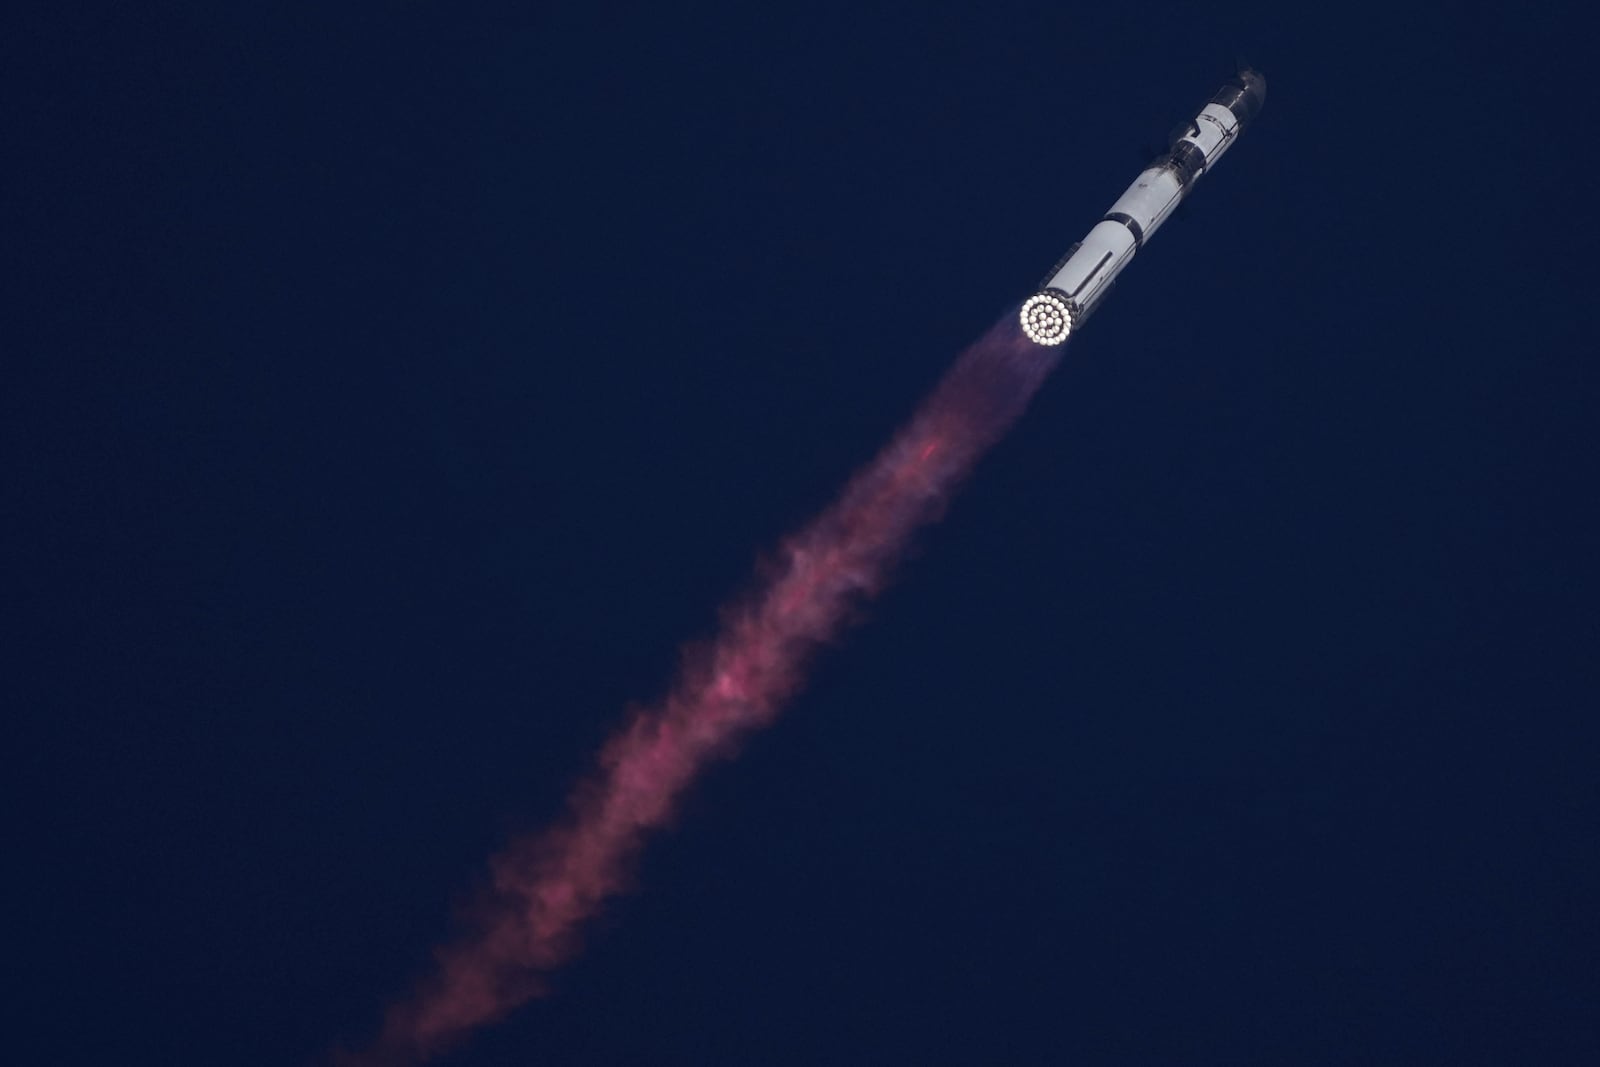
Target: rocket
(1083, 277)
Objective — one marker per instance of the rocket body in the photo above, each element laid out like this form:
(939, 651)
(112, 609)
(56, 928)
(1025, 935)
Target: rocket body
(1083, 277)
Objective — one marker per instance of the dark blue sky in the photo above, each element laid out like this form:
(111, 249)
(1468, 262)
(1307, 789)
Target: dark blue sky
(391, 390)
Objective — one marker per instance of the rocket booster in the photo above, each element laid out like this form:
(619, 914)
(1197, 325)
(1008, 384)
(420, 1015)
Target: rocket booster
(1077, 284)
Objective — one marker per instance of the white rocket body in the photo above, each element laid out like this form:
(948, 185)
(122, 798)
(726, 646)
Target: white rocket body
(1083, 277)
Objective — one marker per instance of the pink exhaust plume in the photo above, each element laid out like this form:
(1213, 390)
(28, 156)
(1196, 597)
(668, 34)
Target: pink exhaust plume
(546, 886)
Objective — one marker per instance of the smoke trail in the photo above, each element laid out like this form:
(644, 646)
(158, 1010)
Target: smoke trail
(546, 886)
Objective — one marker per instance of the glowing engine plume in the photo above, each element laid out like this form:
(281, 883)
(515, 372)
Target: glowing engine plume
(546, 886)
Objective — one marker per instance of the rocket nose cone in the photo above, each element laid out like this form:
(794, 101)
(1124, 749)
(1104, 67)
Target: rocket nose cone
(1255, 85)
(1243, 95)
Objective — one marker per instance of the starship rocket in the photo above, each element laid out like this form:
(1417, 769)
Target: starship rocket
(1083, 277)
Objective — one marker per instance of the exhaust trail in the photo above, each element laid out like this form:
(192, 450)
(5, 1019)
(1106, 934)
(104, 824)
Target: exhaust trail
(544, 887)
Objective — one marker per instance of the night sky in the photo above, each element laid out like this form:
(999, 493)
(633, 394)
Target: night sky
(390, 390)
